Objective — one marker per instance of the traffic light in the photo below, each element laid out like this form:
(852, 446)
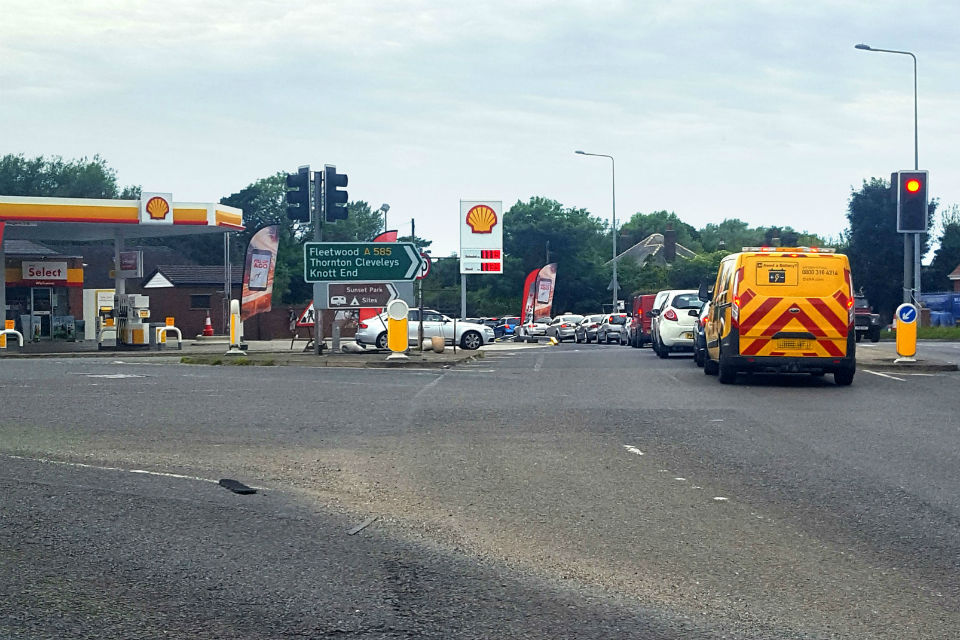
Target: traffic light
(912, 201)
(298, 195)
(334, 197)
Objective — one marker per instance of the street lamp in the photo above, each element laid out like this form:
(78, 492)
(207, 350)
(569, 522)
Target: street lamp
(384, 208)
(907, 294)
(613, 181)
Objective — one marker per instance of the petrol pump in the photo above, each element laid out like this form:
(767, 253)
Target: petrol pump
(132, 312)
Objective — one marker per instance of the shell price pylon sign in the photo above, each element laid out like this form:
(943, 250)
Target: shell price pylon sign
(156, 208)
(481, 236)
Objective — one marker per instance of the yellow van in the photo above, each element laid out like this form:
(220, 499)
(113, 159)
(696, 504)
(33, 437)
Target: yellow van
(783, 310)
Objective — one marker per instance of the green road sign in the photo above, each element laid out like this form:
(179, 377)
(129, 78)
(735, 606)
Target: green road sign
(360, 261)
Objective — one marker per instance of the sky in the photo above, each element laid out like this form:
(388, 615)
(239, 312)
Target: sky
(751, 109)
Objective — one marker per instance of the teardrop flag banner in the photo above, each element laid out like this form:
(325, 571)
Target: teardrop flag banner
(258, 270)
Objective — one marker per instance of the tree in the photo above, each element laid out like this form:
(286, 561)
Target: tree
(574, 240)
(730, 235)
(690, 274)
(947, 256)
(875, 248)
(55, 178)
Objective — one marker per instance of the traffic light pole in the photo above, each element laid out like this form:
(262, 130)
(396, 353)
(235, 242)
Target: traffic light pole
(317, 214)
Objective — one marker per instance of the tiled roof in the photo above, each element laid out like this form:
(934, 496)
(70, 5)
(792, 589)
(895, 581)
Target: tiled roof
(955, 274)
(27, 248)
(191, 274)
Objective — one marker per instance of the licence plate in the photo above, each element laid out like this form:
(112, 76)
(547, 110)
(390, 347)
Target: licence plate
(793, 345)
(688, 335)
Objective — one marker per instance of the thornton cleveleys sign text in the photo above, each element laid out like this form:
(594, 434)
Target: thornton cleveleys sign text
(360, 261)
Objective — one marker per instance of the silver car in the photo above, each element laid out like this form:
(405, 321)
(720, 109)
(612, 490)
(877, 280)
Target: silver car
(468, 335)
(586, 330)
(563, 327)
(615, 326)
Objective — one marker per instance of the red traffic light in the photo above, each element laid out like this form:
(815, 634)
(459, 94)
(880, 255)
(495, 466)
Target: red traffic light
(913, 185)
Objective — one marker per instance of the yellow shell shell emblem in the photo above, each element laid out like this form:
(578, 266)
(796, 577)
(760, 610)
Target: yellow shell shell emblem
(158, 208)
(482, 219)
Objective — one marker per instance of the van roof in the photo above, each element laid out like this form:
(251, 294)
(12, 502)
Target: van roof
(789, 249)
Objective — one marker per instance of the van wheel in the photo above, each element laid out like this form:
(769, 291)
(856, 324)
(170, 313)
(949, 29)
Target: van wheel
(859, 336)
(728, 375)
(843, 377)
(874, 334)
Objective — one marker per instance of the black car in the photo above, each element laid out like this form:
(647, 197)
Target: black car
(699, 338)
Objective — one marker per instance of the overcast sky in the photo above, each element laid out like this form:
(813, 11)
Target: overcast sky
(759, 110)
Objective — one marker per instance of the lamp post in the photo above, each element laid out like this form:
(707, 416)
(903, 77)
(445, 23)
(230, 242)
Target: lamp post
(384, 208)
(613, 221)
(908, 295)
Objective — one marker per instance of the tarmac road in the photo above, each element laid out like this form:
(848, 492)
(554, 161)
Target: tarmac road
(572, 491)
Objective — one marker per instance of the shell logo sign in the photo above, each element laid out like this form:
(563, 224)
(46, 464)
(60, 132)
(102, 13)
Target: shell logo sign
(481, 236)
(481, 219)
(156, 208)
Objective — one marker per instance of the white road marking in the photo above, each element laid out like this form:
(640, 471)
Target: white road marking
(539, 364)
(680, 479)
(633, 449)
(883, 375)
(113, 376)
(81, 465)
(717, 420)
(720, 499)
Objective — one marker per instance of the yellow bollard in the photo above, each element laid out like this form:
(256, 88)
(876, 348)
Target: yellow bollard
(398, 337)
(906, 317)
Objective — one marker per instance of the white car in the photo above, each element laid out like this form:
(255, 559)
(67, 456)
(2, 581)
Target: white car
(674, 324)
(532, 331)
(469, 335)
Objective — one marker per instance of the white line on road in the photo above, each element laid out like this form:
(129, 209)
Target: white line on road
(633, 449)
(81, 465)
(539, 364)
(883, 375)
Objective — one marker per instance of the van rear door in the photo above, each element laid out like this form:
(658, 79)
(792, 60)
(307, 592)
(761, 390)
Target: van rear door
(794, 305)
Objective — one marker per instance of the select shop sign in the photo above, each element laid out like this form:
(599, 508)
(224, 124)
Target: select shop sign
(44, 272)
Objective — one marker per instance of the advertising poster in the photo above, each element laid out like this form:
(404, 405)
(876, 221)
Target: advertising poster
(529, 296)
(258, 271)
(546, 283)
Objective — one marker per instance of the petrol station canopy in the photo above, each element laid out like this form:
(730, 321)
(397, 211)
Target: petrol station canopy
(94, 219)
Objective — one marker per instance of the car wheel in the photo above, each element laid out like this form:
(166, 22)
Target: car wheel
(859, 335)
(709, 366)
(874, 334)
(698, 357)
(382, 340)
(663, 352)
(728, 375)
(844, 377)
(471, 340)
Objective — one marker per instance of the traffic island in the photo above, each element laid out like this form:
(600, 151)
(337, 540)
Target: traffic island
(369, 360)
(883, 357)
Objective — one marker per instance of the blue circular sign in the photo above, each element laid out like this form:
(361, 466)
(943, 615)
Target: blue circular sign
(906, 313)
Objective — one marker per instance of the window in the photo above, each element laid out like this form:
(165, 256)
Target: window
(200, 301)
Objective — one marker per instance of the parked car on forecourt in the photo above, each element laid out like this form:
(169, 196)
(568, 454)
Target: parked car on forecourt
(586, 329)
(613, 327)
(673, 326)
(530, 331)
(563, 327)
(506, 327)
(469, 335)
(699, 336)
